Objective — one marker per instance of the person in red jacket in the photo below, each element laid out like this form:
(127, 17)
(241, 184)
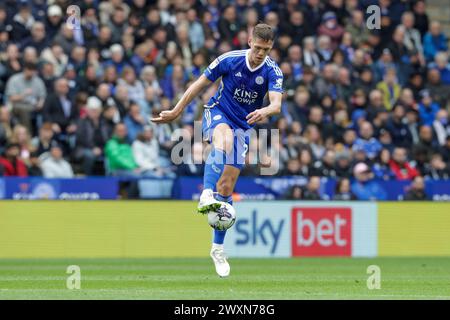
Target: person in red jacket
(400, 166)
(12, 165)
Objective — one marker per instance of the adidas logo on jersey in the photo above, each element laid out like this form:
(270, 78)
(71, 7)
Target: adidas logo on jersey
(238, 74)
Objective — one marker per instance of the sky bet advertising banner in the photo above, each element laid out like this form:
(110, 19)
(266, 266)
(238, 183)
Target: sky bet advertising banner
(58, 189)
(302, 229)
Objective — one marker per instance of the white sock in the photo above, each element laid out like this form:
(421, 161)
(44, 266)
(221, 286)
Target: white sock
(217, 246)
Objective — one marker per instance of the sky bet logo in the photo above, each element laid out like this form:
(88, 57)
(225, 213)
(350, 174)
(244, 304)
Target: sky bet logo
(321, 231)
(259, 231)
(295, 231)
(244, 96)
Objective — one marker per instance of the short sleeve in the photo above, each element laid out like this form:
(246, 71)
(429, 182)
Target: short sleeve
(275, 79)
(217, 68)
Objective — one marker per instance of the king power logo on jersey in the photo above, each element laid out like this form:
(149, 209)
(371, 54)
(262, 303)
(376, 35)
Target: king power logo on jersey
(323, 231)
(245, 96)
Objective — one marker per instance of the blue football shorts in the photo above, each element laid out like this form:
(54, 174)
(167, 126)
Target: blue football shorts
(212, 117)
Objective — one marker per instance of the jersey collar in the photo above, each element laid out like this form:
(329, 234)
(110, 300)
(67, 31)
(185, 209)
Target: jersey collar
(247, 62)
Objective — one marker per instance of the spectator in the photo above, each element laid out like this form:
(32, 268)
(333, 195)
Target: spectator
(331, 28)
(34, 168)
(445, 150)
(117, 58)
(38, 39)
(292, 168)
(427, 108)
(294, 193)
(53, 164)
(25, 92)
(312, 189)
(434, 41)
(92, 135)
(7, 124)
(424, 148)
(343, 191)
(59, 109)
(443, 66)
(119, 155)
(22, 22)
(54, 20)
(420, 17)
(228, 24)
(442, 126)
(367, 142)
(134, 121)
(135, 87)
(11, 163)
(364, 187)
(311, 56)
(196, 32)
(437, 89)
(412, 39)
(343, 164)
(416, 191)
(400, 166)
(313, 12)
(65, 38)
(326, 166)
(146, 154)
(42, 143)
(401, 136)
(21, 136)
(357, 28)
(296, 27)
(381, 168)
(437, 169)
(390, 88)
(56, 57)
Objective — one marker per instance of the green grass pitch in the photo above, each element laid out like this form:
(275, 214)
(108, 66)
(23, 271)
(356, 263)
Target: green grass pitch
(302, 278)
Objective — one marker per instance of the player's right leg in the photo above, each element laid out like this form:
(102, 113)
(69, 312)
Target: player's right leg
(222, 144)
(225, 188)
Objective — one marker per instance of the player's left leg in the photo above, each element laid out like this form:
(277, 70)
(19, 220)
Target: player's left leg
(222, 144)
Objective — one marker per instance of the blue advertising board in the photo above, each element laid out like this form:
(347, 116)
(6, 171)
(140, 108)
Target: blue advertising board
(190, 188)
(58, 189)
(250, 188)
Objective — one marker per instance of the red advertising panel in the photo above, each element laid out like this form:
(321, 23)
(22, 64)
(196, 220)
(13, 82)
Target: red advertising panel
(325, 231)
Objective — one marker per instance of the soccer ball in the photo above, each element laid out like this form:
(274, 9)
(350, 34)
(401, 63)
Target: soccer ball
(222, 218)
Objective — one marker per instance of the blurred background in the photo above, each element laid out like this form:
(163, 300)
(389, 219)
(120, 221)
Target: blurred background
(365, 116)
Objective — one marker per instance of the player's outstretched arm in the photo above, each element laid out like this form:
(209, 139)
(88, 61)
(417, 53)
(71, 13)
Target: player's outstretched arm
(273, 108)
(194, 89)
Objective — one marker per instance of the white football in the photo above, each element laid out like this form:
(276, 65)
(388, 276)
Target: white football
(222, 218)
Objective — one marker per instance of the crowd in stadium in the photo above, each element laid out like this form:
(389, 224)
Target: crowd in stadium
(358, 103)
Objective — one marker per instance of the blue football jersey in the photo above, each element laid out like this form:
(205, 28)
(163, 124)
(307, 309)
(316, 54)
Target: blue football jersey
(242, 89)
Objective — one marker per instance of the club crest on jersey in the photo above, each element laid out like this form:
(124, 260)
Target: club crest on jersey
(259, 80)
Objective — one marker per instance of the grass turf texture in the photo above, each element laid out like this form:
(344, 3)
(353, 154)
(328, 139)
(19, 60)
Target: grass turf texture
(304, 278)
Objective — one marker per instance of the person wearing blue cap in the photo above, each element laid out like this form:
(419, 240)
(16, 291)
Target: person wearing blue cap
(331, 28)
